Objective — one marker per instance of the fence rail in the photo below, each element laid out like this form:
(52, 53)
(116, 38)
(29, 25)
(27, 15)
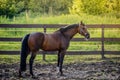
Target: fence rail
(68, 52)
(74, 39)
(45, 26)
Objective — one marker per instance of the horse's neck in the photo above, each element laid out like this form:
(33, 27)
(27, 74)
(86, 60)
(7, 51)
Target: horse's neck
(70, 33)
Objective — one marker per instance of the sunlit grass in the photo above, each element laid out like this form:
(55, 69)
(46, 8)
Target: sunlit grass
(52, 59)
(74, 46)
(61, 19)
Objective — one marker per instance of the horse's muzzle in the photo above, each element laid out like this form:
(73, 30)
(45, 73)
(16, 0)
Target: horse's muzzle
(87, 36)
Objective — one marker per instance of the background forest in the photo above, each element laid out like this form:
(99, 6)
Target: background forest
(11, 8)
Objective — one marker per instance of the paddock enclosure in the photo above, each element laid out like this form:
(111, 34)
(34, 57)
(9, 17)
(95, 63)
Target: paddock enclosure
(105, 40)
(99, 37)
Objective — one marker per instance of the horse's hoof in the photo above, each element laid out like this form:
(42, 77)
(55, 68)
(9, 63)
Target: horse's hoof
(62, 74)
(19, 76)
(34, 77)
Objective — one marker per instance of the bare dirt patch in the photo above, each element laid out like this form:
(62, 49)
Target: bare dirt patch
(72, 71)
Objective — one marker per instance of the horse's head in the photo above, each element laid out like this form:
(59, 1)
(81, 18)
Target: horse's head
(82, 29)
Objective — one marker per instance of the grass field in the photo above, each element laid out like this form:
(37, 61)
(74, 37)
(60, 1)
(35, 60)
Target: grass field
(52, 59)
(61, 19)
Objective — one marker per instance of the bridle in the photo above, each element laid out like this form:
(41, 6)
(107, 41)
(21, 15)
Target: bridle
(81, 30)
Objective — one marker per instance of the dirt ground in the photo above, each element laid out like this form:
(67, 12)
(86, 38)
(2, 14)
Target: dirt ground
(72, 71)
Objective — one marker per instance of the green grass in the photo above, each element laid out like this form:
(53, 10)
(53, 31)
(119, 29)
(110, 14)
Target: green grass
(74, 46)
(61, 19)
(52, 59)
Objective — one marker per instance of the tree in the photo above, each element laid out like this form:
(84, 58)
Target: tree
(77, 7)
(10, 8)
(95, 7)
(49, 6)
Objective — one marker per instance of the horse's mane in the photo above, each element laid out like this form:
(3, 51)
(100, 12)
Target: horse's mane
(66, 28)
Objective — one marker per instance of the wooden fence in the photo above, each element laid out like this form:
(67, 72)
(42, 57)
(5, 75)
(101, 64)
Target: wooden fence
(45, 26)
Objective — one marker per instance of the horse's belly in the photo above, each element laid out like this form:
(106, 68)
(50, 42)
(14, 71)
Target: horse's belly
(50, 47)
(51, 43)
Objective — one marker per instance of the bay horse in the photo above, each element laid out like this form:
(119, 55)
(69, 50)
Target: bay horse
(57, 41)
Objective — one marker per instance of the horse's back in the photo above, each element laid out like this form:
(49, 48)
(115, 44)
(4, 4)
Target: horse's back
(35, 41)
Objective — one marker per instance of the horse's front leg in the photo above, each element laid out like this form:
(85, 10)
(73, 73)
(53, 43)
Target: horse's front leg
(62, 54)
(33, 55)
(58, 62)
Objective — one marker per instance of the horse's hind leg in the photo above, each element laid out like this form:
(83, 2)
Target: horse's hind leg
(33, 55)
(61, 58)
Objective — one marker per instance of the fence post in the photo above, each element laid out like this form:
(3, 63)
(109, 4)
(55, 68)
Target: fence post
(102, 46)
(44, 51)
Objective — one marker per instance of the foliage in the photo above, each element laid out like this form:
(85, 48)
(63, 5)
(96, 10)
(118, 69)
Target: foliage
(77, 7)
(49, 6)
(96, 7)
(12, 7)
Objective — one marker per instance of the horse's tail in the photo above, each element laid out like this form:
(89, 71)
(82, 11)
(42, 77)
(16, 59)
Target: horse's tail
(24, 52)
